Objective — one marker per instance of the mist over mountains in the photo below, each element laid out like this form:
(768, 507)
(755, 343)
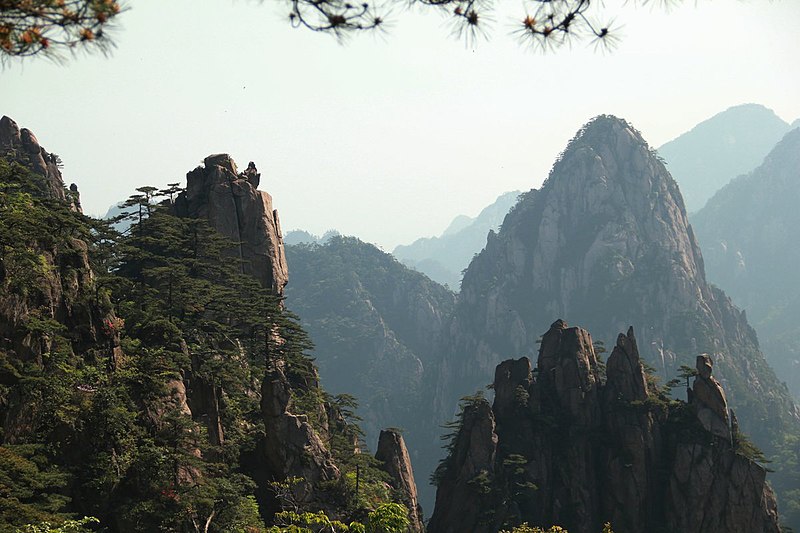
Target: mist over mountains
(605, 243)
(443, 258)
(749, 232)
(193, 332)
(717, 150)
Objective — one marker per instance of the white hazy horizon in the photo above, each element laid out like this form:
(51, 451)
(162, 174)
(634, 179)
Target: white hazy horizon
(390, 137)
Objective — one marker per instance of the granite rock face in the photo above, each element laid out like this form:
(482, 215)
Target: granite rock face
(233, 205)
(606, 242)
(709, 399)
(460, 505)
(291, 447)
(574, 448)
(393, 455)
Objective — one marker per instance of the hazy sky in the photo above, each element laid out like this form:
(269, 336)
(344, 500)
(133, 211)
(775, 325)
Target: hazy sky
(387, 138)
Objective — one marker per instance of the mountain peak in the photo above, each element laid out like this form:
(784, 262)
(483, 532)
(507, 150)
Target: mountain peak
(607, 148)
(738, 138)
(603, 129)
(605, 242)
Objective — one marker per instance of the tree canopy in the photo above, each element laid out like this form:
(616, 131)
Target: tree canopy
(31, 27)
(50, 27)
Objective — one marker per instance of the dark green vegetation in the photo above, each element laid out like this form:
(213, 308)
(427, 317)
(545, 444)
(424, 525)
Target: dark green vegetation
(131, 372)
(717, 150)
(443, 258)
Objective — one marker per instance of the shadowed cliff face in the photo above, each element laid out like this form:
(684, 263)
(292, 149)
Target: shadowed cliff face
(563, 444)
(375, 325)
(605, 242)
(393, 455)
(233, 205)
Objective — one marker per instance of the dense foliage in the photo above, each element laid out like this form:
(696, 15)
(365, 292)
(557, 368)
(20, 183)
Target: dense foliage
(139, 401)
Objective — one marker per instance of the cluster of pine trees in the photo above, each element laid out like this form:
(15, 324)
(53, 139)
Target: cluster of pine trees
(101, 428)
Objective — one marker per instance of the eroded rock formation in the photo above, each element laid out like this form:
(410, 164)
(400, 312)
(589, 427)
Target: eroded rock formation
(606, 242)
(574, 448)
(24, 148)
(292, 448)
(393, 455)
(233, 205)
(230, 201)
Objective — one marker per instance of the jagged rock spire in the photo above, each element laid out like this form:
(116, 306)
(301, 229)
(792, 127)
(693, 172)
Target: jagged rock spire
(709, 400)
(231, 203)
(608, 453)
(395, 461)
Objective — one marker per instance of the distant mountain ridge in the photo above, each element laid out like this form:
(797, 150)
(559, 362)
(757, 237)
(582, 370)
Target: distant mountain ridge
(375, 324)
(299, 236)
(717, 150)
(749, 232)
(443, 258)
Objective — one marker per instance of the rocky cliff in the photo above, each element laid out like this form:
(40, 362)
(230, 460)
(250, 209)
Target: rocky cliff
(606, 242)
(21, 146)
(234, 206)
(393, 456)
(45, 272)
(567, 443)
(292, 446)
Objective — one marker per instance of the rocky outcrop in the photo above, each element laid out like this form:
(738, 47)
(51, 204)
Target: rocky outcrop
(708, 399)
(21, 146)
(606, 242)
(461, 501)
(230, 201)
(233, 205)
(393, 455)
(291, 447)
(573, 448)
